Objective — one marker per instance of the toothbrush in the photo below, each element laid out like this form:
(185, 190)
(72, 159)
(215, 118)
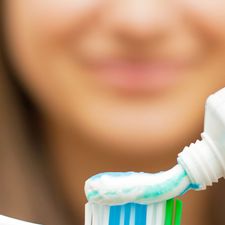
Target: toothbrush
(4, 220)
(161, 213)
(133, 198)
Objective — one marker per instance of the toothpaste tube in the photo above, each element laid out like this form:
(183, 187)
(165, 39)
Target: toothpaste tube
(199, 165)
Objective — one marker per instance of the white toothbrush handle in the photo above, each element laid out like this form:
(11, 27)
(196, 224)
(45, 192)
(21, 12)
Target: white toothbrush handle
(4, 220)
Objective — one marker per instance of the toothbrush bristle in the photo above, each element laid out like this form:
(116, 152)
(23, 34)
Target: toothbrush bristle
(127, 214)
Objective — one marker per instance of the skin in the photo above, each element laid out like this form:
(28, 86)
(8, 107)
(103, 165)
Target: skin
(53, 44)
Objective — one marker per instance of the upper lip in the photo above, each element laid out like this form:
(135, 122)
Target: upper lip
(138, 64)
(95, 59)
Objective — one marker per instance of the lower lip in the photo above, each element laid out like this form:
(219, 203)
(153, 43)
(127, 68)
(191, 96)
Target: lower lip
(138, 77)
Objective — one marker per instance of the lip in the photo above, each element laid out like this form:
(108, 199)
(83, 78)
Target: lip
(139, 75)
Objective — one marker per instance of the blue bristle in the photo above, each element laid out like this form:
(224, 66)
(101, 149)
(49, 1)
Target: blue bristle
(140, 214)
(114, 215)
(139, 211)
(127, 209)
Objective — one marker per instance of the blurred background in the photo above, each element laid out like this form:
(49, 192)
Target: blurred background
(102, 85)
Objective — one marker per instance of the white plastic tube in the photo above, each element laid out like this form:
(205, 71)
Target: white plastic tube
(204, 161)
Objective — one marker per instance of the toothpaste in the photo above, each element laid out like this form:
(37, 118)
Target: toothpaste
(145, 188)
(199, 165)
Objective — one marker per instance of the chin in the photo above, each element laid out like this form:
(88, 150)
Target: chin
(138, 142)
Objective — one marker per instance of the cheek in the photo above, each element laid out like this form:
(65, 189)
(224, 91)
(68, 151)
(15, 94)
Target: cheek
(52, 18)
(36, 34)
(64, 17)
(36, 30)
(208, 15)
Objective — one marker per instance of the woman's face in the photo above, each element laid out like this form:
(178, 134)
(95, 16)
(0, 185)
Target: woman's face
(129, 74)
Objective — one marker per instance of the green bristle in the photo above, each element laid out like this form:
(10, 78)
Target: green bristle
(173, 212)
(178, 214)
(169, 212)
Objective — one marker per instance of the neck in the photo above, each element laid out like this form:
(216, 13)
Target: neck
(74, 159)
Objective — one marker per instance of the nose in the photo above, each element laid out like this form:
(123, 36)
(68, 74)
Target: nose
(140, 19)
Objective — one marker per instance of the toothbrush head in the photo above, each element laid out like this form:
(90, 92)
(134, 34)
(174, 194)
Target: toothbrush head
(160, 213)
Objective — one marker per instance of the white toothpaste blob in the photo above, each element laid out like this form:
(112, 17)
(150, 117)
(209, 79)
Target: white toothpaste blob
(199, 165)
(120, 188)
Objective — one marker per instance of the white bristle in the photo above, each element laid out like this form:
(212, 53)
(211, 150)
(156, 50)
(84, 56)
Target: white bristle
(122, 216)
(105, 215)
(88, 214)
(96, 214)
(160, 213)
(150, 214)
(132, 215)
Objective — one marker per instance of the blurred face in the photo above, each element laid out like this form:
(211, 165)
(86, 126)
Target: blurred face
(132, 75)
